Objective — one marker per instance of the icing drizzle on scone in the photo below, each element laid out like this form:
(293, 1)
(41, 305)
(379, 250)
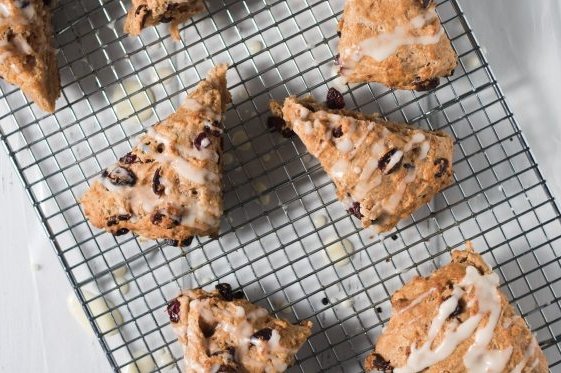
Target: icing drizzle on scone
(478, 358)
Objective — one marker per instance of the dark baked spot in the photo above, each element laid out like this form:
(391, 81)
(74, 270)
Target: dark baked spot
(207, 328)
(337, 59)
(426, 85)
(166, 19)
(225, 291)
(337, 132)
(210, 131)
(335, 99)
(157, 218)
(263, 334)
(173, 309)
(355, 210)
(160, 148)
(128, 158)
(143, 12)
(277, 124)
(226, 369)
(121, 231)
(120, 176)
(217, 124)
(380, 363)
(157, 187)
(442, 166)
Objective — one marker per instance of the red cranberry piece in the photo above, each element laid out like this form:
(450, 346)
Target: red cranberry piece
(381, 364)
(121, 231)
(383, 162)
(459, 309)
(335, 99)
(160, 148)
(173, 309)
(229, 351)
(355, 210)
(337, 132)
(201, 141)
(157, 187)
(426, 85)
(112, 221)
(225, 291)
(176, 243)
(120, 176)
(226, 369)
(124, 217)
(209, 131)
(442, 166)
(238, 295)
(277, 124)
(263, 334)
(128, 158)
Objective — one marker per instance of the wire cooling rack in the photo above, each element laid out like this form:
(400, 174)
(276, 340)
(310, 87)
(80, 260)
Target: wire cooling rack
(284, 239)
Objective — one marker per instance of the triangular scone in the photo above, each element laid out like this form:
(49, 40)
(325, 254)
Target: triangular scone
(399, 43)
(453, 320)
(383, 171)
(27, 56)
(221, 332)
(146, 13)
(170, 185)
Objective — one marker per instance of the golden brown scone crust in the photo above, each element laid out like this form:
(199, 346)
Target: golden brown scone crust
(146, 13)
(416, 305)
(416, 64)
(27, 55)
(355, 160)
(221, 332)
(169, 185)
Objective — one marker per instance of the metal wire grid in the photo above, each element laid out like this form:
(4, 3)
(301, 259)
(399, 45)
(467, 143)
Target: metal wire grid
(281, 211)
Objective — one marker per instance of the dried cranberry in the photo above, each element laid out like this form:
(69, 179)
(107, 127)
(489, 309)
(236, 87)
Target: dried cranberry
(175, 243)
(335, 99)
(459, 309)
(277, 124)
(209, 131)
(160, 148)
(381, 364)
(157, 218)
(166, 19)
(173, 309)
(230, 351)
(337, 132)
(143, 12)
(337, 59)
(121, 231)
(426, 85)
(383, 162)
(355, 210)
(442, 164)
(199, 141)
(112, 221)
(225, 291)
(157, 187)
(124, 216)
(408, 166)
(263, 334)
(120, 176)
(128, 158)
(238, 295)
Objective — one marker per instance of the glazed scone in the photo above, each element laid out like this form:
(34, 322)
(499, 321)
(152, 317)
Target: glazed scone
(456, 320)
(170, 185)
(27, 55)
(383, 171)
(146, 13)
(399, 43)
(222, 332)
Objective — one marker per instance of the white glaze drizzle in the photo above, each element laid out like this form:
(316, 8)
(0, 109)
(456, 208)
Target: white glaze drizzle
(386, 44)
(478, 357)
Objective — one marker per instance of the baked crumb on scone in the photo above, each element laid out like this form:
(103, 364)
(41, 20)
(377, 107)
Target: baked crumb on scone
(383, 171)
(456, 320)
(169, 186)
(222, 332)
(27, 55)
(399, 43)
(146, 13)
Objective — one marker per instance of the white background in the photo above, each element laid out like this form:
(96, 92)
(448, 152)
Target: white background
(37, 333)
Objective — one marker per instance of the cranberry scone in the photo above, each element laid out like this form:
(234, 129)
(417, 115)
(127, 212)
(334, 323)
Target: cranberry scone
(27, 55)
(222, 332)
(399, 43)
(169, 186)
(146, 13)
(456, 320)
(383, 171)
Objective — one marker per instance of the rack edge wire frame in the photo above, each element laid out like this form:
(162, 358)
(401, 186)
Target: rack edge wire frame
(285, 240)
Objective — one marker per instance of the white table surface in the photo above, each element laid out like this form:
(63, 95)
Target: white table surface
(38, 334)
